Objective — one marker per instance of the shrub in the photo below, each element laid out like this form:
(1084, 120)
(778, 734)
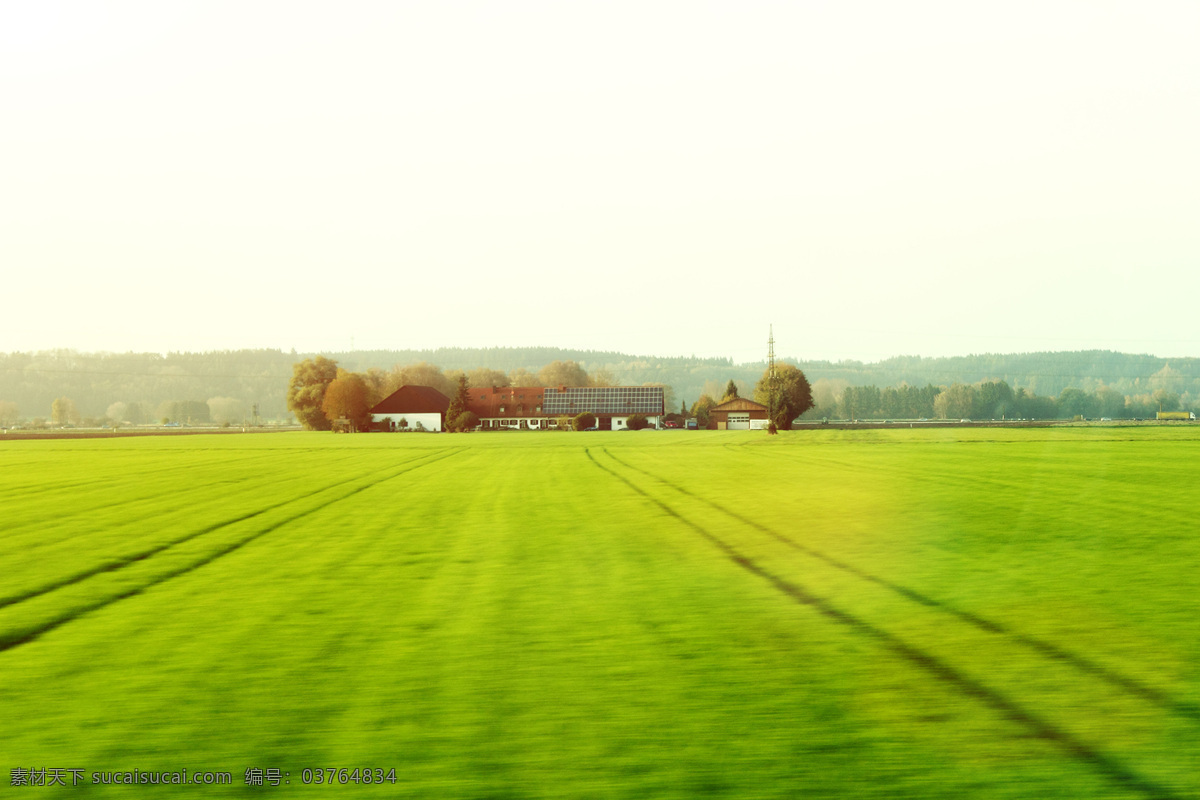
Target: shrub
(563, 423)
(636, 422)
(466, 421)
(584, 421)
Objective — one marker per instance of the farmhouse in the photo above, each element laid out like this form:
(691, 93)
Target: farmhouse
(410, 407)
(537, 408)
(738, 414)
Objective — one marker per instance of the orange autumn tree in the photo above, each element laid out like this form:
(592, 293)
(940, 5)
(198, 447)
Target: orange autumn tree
(347, 397)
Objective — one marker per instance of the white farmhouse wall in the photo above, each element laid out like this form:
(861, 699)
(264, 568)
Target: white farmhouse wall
(431, 422)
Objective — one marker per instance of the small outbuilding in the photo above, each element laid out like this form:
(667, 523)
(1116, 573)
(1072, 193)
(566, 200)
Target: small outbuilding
(411, 408)
(738, 414)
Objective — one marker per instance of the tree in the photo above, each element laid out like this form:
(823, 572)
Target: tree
(63, 411)
(1039, 407)
(378, 384)
(466, 421)
(9, 413)
(483, 378)
(1165, 400)
(731, 391)
(423, 374)
(602, 377)
(636, 422)
(995, 400)
(137, 413)
(346, 397)
(700, 410)
(1109, 402)
(562, 373)
(1074, 402)
(1168, 379)
(858, 402)
(192, 411)
(563, 423)
(226, 410)
(458, 406)
(522, 377)
(584, 421)
(957, 402)
(790, 396)
(827, 393)
(306, 391)
(118, 412)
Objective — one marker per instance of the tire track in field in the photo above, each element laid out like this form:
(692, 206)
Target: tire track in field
(100, 483)
(1076, 748)
(124, 561)
(13, 639)
(180, 497)
(1048, 649)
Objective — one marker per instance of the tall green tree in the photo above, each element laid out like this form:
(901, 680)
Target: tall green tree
(458, 404)
(1074, 402)
(789, 395)
(1109, 402)
(956, 402)
(731, 391)
(306, 391)
(995, 400)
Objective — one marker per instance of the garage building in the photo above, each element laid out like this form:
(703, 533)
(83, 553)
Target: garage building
(738, 414)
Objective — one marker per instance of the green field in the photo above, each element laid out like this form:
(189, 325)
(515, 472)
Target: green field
(940, 613)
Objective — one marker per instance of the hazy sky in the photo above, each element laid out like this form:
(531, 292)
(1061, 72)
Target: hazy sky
(874, 178)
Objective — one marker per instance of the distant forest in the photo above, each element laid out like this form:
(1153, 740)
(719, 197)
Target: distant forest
(228, 385)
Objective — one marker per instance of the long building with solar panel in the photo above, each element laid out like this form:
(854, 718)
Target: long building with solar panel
(539, 408)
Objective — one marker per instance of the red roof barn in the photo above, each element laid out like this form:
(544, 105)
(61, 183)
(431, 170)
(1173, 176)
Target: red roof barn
(411, 407)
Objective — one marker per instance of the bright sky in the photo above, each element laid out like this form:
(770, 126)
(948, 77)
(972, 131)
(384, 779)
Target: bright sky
(873, 178)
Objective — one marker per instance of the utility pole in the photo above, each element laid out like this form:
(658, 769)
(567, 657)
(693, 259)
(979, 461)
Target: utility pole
(771, 379)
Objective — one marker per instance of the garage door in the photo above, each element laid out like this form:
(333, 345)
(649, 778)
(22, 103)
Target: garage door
(739, 422)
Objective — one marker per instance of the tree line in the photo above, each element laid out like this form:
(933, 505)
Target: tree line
(226, 386)
(991, 399)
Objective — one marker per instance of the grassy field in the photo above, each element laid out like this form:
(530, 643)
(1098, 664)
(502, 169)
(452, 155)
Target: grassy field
(944, 613)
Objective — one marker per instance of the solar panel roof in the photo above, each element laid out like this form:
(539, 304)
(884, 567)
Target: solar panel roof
(604, 400)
